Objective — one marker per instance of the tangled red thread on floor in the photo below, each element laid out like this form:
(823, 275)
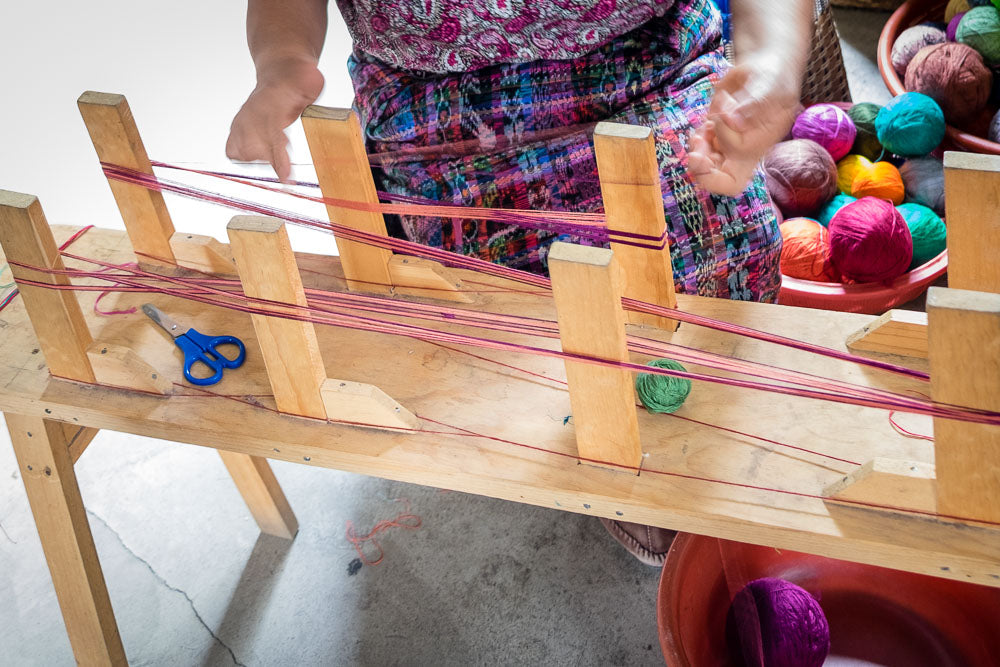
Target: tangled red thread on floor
(405, 519)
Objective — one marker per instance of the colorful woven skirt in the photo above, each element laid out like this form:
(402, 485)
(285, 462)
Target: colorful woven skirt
(520, 136)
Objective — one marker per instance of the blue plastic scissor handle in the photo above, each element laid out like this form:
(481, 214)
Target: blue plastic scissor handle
(199, 348)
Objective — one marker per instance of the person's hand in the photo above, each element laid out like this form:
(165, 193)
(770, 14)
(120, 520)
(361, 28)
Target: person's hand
(753, 107)
(283, 91)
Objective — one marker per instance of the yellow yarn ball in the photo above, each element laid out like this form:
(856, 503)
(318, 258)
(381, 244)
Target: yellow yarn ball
(882, 180)
(848, 168)
(955, 7)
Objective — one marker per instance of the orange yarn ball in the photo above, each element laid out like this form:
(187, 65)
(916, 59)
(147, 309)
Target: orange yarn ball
(805, 250)
(882, 180)
(848, 169)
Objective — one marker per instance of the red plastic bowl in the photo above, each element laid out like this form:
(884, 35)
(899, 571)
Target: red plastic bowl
(871, 298)
(911, 13)
(882, 616)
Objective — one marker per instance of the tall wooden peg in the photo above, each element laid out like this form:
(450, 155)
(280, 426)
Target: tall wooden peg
(116, 138)
(587, 287)
(338, 152)
(268, 270)
(972, 211)
(62, 332)
(964, 353)
(633, 204)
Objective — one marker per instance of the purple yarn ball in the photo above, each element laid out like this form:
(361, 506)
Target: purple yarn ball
(827, 125)
(801, 176)
(910, 41)
(953, 25)
(774, 623)
(994, 132)
(870, 242)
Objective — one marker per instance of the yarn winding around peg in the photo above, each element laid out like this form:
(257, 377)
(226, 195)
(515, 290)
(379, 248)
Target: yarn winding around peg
(775, 623)
(952, 28)
(827, 125)
(955, 76)
(866, 141)
(881, 180)
(801, 176)
(911, 125)
(662, 393)
(805, 250)
(830, 209)
(923, 179)
(870, 242)
(910, 41)
(848, 169)
(927, 231)
(980, 29)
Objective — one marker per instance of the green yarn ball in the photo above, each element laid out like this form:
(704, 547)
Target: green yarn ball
(827, 212)
(866, 141)
(980, 29)
(662, 393)
(928, 232)
(911, 125)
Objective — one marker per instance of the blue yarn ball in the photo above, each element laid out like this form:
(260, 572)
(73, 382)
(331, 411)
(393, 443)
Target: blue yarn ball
(912, 125)
(827, 212)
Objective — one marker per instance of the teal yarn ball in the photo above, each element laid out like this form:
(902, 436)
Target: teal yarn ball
(866, 141)
(662, 393)
(928, 232)
(980, 29)
(911, 125)
(827, 212)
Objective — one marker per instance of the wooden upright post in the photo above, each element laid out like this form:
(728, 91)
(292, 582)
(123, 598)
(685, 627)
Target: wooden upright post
(972, 203)
(586, 285)
(43, 457)
(633, 203)
(116, 139)
(268, 270)
(964, 346)
(55, 315)
(338, 152)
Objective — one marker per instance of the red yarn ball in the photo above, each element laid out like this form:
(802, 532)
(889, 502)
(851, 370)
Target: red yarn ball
(955, 76)
(805, 250)
(801, 176)
(775, 623)
(870, 242)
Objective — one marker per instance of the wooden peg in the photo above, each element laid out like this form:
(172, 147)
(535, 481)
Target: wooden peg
(43, 457)
(972, 213)
(120, 366)
(62, 332)
(365, 404)
(116, 139)
(964, 346)
(268, 270)
(338, 152)
(633, 203)
(905, 485)
(586, 286)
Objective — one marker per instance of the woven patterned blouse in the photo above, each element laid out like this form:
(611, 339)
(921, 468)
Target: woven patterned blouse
(463, 35)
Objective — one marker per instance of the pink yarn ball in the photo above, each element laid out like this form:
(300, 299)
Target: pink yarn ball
(775, 623)
(870, 242)
(827, 125)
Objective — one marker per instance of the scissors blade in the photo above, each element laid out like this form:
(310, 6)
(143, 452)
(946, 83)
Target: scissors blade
(162, 319)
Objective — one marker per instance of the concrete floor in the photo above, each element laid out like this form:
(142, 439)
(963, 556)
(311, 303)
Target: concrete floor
(191, 580)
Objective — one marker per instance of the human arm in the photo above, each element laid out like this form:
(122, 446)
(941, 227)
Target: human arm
(755, 102)
(285, 39)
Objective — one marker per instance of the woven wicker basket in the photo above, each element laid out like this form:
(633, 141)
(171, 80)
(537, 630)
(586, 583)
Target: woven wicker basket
(825, 78)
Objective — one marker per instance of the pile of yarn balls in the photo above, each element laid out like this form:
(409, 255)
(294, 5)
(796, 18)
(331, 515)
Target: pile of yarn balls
(860, 195)
(956, 63)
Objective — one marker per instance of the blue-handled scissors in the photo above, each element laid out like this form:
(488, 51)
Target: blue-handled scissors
(199, 348)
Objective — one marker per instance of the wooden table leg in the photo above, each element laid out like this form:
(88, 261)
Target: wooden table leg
(43, 457)
(262, 493)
